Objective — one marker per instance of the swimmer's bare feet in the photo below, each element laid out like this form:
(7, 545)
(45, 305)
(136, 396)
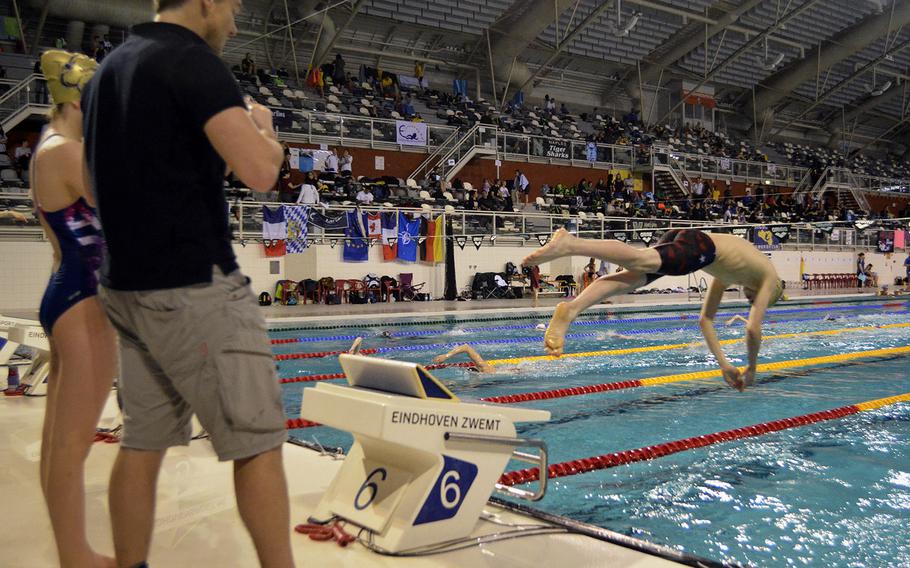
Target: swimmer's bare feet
(733, 377)
(556, 248)
(555, 338)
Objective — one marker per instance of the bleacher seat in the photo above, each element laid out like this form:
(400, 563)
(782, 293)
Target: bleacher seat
(411, 183)
(9, 176)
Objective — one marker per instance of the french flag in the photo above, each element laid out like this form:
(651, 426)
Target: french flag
(274, 231)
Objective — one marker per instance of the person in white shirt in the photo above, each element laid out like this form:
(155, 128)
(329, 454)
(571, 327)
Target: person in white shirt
(520, 187)
(309, 195)
(347, 162)
(331, 162)
(365, 196)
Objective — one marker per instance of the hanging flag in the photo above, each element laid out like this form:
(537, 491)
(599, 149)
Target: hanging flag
(334, 223)
(477, 242)
(427, 228)
(408, 231)
(543, 239)
(297, 216)
(461, 241)
(374, 225)
(389, 236)
(274, 231)
(439, 244)
(355, 242)
(333, 242)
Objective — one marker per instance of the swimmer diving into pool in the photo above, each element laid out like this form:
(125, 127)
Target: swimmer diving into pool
(728, 258)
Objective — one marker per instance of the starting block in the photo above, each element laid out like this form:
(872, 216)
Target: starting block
(30, 334)
(423, 464)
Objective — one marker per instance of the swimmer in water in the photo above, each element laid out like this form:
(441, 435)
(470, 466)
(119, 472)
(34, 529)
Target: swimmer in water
(728, 258)
(480, 363)
(735, 318)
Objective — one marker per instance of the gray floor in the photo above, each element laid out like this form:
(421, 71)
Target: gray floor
(277, 313)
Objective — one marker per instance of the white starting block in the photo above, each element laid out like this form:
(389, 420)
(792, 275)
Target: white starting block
(30, 334)
(423, 464)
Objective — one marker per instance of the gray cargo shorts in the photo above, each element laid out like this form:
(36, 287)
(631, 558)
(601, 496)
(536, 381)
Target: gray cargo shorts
(199, 349)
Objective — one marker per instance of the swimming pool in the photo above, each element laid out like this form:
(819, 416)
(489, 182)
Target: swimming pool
(833, 493)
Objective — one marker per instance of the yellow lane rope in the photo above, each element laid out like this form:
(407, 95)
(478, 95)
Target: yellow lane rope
(651, 348)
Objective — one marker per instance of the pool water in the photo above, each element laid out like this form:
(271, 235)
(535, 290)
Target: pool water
(835, 493)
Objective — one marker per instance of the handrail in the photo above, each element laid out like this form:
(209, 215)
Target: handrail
(424, 166)
(468, 224)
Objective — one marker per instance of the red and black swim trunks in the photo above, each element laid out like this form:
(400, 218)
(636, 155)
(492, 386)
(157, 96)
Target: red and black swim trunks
(683, 251)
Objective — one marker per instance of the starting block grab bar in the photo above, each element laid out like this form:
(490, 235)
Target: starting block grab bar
(541, 460)
(423, 464)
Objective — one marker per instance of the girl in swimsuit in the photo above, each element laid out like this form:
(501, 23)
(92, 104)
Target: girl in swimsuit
(83, 348)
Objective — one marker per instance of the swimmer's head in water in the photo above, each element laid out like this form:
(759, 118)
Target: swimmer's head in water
(776, 296)
(67, 74)
(541, 326)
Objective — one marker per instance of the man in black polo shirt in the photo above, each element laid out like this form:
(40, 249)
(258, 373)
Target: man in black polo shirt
(163, 120)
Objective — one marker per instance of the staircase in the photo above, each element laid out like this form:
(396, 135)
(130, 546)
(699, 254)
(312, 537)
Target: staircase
(667, 181)
(845, 185)
(457, 151)
(29, 97)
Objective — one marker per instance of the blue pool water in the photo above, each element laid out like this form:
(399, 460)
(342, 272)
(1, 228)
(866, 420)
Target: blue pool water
(835, 493)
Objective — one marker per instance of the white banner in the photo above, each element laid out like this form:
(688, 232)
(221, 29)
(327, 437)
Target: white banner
(295, 158)
(411, 133)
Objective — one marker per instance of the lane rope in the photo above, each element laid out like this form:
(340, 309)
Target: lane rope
(417, 333)
(652, 381)
(682, 377)
(510, 340)
(606, 461)
(626, 351)
(599, 353)
(602, 312)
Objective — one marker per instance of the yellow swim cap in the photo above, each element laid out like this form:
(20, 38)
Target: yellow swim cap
(778, 293)
(66, 74)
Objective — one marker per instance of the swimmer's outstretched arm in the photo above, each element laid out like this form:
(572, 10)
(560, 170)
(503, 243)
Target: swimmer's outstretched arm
(15, 215)
(355, 347)
(753, 327)
(731, 374)
(737, 317)
(482, 365)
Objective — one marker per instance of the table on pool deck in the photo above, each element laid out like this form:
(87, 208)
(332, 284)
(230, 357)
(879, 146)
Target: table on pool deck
(197, 522)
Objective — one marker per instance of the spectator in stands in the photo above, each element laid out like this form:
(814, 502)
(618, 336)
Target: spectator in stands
(508, 203)
(549, 104)
(698, 189)
(97, 54)
(309, 195)
(2, 72)
(748, 200)
(563, 110)
(347, 163)
(521, 186)
(22, 154)
(331, 162)
(286, 189)
(106, 46)
(365, 196)
(248, 66)
(485, 203)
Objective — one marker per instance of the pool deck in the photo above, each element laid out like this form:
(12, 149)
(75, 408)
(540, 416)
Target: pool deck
(197, 520)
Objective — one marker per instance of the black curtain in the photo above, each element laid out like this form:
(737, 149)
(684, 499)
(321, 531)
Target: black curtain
(451, 291)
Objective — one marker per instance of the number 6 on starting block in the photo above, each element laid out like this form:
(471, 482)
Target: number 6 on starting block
(423, 464)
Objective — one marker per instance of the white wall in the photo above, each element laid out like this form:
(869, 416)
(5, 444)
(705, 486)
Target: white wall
(25, 267)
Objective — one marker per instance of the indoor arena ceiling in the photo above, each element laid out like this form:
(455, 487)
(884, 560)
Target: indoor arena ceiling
(835, 64)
